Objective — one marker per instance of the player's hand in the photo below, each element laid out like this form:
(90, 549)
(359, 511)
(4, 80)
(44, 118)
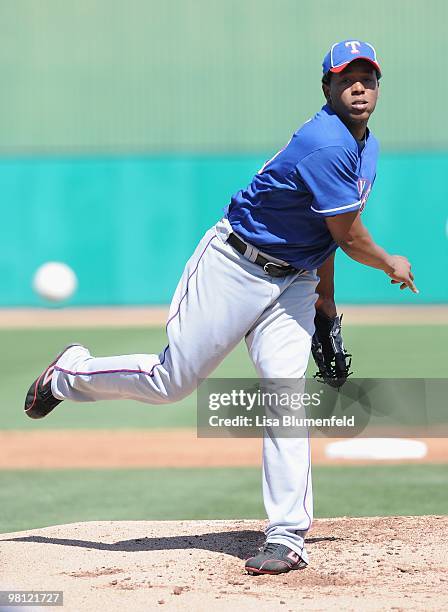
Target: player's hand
(401, 273)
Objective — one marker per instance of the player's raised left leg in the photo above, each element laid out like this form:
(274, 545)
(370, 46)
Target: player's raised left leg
(218, 299)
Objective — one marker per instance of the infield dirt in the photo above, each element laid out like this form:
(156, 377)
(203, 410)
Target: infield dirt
(157, 448)
(393, 563)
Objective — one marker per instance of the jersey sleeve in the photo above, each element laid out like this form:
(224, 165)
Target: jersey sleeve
(329, 176)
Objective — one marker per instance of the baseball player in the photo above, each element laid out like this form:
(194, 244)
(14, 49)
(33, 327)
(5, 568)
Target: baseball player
(261, 273)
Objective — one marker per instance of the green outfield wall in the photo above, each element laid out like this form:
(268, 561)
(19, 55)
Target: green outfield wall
(127, 224)
(126, 126)
(208, 75)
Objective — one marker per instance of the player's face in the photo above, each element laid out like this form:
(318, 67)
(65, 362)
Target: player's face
(353, 92)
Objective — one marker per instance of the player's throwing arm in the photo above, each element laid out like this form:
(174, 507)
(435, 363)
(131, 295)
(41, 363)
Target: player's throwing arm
(352, 236)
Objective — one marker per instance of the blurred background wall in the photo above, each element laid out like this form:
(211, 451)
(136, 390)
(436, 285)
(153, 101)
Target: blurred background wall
(126, 126)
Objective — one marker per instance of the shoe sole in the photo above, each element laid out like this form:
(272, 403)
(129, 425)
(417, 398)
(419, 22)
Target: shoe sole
(253, 571)
(34, 387)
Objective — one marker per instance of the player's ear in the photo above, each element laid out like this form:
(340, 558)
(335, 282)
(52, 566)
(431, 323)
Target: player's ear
(326, 90)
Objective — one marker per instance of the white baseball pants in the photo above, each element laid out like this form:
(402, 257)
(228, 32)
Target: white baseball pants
(221, 298)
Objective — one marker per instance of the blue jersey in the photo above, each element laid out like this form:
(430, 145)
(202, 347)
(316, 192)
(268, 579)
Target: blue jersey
(321, 172)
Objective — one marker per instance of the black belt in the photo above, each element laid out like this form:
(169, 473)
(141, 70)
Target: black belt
(271, 268)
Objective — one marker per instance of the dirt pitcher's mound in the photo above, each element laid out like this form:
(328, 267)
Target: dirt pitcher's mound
(366, 563)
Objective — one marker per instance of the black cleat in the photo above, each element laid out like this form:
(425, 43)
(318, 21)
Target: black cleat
(39, 400)
(274, 559)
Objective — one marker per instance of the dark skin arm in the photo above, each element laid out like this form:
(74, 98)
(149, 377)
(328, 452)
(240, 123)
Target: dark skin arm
(325, 288)
(352, 236)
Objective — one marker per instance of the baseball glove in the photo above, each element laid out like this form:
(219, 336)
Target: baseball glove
(328, 351)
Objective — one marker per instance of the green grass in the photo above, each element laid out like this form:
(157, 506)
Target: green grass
(378, 351)
(32, 499)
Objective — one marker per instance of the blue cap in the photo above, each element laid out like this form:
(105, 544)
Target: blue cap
(342, 53)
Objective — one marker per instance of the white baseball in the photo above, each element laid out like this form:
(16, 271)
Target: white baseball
(55, 281)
